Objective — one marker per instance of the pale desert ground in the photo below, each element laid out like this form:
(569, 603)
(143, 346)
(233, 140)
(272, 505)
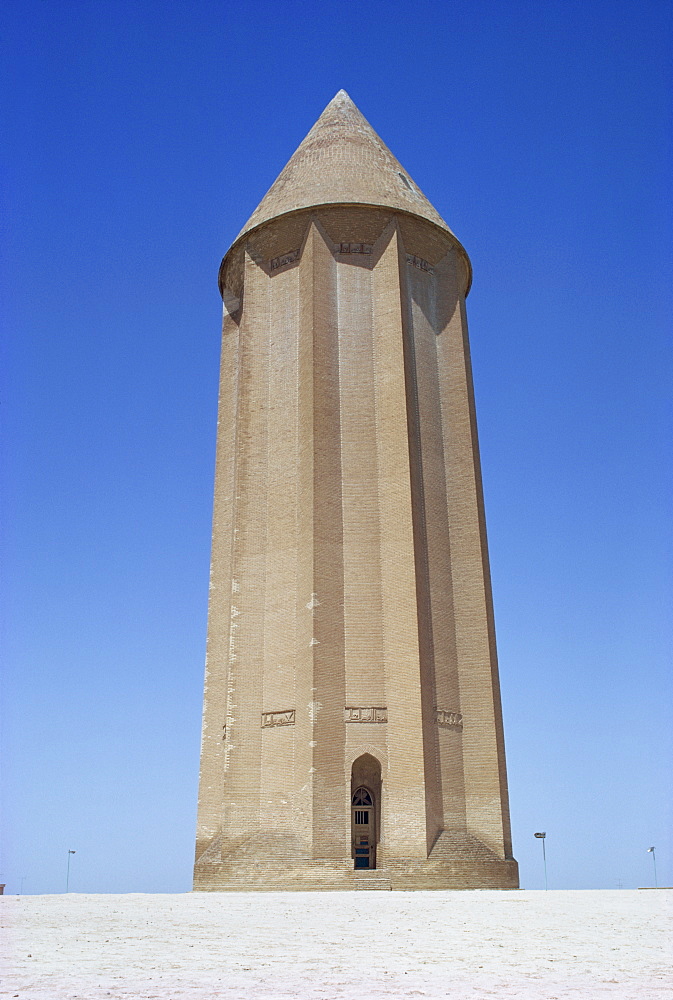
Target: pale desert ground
(341, 945)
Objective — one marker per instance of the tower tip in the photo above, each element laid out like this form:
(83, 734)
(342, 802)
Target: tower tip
(341, 100)
(342, 161)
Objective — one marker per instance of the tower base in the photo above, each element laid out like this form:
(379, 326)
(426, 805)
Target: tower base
(457, 861)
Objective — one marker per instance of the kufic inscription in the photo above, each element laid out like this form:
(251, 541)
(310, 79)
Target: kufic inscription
(286, 718)
(355, 248)
(449, 720)
(357, 714)
(286, 258)
(421, 264)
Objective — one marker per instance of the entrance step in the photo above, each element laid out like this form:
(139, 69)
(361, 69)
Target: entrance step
(372, 878)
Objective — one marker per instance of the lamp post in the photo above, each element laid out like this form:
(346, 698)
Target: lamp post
(651, 850)
(542, 837)
(67, 875)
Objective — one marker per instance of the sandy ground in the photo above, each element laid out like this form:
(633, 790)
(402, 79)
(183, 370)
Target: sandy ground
(339, 945)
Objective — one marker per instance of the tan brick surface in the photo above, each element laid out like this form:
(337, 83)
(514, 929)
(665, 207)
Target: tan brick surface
(350, 609)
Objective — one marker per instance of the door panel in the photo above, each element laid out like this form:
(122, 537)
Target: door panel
(363, 829)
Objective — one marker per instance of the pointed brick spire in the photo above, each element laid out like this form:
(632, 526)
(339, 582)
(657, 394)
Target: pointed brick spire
(342, 161)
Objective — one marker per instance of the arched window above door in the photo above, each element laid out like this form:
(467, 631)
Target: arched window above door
(362, 797)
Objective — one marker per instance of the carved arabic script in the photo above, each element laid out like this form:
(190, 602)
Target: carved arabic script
(278, 718)
(376, 714)
(355, 248)
(421, 264)
(450, 720)
(286, 258)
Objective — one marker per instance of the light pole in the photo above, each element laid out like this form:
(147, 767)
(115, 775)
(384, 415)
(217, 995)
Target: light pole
(67, 876)
(651, 850)
(542, 836)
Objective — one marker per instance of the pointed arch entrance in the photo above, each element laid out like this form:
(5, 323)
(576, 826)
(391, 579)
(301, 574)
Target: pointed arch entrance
(365, 810)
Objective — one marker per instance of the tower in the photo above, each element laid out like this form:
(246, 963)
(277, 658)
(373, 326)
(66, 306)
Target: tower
(352, 731)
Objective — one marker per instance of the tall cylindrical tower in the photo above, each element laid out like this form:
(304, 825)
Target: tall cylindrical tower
(352, 726)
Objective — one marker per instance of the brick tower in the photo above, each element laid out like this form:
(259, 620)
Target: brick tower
(352, 732)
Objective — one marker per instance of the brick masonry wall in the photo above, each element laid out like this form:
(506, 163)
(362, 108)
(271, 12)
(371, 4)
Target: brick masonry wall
(349, 567)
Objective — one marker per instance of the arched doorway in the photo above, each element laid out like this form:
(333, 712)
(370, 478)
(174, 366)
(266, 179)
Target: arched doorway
(363, 825)
(365, 810)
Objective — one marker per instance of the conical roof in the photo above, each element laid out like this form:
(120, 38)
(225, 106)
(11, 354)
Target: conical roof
(342, 161)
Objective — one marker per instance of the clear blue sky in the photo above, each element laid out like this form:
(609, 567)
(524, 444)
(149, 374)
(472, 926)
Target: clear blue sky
(138, 138)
